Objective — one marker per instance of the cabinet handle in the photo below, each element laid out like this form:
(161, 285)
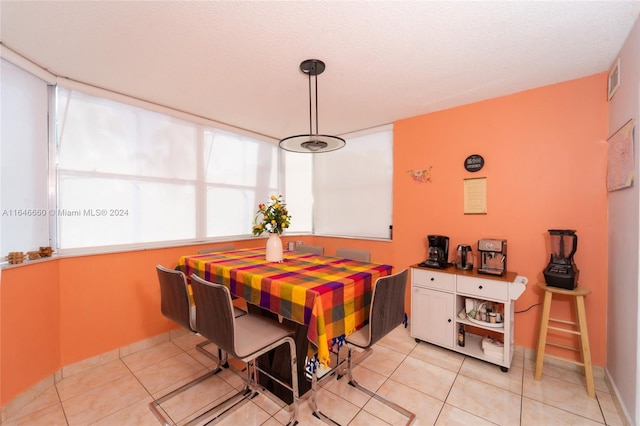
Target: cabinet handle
(449, 320)
(433, 279)
(480, 287)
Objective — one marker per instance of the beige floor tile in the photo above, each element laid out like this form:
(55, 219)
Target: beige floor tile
(609, 409)
(364, 418)
(476, 393)
(235, 375)
(535, 413)
(438, 356)
(561, 394)
(398, 340)
(170, 373)
(489, 402)
(91, 363)
(137, 414)
(52, 415)
(189, 341)
(245, 413)
(518, 359)
(273, 422)
(142, 359)
(365, 377)
(425, 377)
(196, 398)
(425, 407)
(492, 374)
(569, 373)
(268, 402)
(97, 376)
(103, 401)
(339, 409)
(452, 416)
(204, 359)
(47, 399)
(383, 360)
(249, 414)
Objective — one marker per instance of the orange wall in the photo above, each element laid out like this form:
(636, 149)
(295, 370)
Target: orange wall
(30, 327)
(545, 156)
(545, 164)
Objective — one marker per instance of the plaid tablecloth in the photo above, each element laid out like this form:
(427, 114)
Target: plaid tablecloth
(331, 295)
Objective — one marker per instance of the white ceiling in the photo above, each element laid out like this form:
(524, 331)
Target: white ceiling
(237, 62)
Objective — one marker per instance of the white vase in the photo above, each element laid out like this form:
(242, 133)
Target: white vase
(274, 248)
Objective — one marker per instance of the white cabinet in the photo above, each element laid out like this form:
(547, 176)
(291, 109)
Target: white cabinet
(437, 296)
(433, 319)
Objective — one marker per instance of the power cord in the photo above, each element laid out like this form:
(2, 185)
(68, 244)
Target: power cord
(525, 310)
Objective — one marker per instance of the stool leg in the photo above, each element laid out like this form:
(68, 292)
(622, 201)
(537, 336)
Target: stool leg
(585, 351)
(542, 338)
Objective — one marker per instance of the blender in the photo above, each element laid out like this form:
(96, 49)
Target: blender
(562, 271)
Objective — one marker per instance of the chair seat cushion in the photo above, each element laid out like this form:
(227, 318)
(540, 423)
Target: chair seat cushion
(254, 332)
(359, 338)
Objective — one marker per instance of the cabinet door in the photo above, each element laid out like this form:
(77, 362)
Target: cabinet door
(432, 316)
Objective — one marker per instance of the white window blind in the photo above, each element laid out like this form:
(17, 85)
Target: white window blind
(353, 187)
(125, 175)
(299, 190)
(128, 175)
(24, 158)
(240, 173)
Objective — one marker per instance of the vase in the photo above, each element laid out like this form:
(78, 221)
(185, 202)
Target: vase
(274, 248)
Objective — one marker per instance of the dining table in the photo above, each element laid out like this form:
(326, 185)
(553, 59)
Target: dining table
(324, 298)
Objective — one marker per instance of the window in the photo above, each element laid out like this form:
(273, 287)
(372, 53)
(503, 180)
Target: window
(127, 175)
(353, 187)
(24, 159)
(131, 173)
(299, 190)
(240, 172)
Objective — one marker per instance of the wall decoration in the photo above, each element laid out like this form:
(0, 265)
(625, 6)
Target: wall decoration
(473, 163)
(421, 176)
(475, 196)
(620, 161)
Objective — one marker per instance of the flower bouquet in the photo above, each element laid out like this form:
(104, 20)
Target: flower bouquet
(272, 218)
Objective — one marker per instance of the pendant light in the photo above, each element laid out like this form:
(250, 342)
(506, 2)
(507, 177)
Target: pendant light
(312, 142)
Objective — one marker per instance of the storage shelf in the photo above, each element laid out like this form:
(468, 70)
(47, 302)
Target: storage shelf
(439, 309)
(481, 324)
(473, 347)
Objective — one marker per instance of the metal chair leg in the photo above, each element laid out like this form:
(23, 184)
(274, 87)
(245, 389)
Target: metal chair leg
(155, 405)
(200, 348)
(372, 394)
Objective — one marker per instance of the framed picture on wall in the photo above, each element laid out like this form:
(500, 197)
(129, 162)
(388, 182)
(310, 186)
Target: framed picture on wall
(475, 196)
(620, 158)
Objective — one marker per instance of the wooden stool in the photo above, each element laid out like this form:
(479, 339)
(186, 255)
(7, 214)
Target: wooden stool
(585, 352)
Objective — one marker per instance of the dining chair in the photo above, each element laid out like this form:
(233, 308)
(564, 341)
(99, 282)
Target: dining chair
(246, 338)
(308, 248)
(386, 312)
(175, 304)
(226, 247)
(354, 254)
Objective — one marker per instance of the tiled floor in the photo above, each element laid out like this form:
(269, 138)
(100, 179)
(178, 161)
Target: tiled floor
(440, 386)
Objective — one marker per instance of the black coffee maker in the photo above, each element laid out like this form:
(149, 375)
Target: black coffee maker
(438, 252)
(562, 271)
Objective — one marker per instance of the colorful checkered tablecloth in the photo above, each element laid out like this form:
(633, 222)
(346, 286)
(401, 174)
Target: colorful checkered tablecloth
(329, 294)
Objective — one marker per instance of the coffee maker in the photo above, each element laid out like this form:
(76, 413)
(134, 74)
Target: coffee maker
(561, 270)
(438, 253)
(493, 257)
